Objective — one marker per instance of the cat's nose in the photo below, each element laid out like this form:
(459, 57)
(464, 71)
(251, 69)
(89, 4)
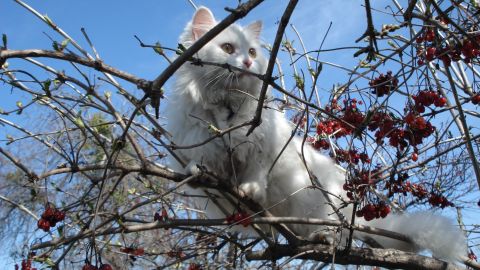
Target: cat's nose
(247, 62)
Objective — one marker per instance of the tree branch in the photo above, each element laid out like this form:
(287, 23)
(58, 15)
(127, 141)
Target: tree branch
(256, 121)
(358, 256)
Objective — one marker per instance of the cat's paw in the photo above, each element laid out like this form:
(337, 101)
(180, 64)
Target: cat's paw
(253, 190)
(193, 168)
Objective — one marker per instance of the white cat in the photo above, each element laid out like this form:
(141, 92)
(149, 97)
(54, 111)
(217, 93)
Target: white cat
(206, 96)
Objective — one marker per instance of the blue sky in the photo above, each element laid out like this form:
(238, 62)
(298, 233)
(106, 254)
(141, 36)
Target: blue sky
(111, 26)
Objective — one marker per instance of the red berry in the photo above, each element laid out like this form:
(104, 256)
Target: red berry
(476, 99)
(49, 212)
(164, 214)
(414, 156)
(105, 267)
(58, 215)
(440, 102)
(194, 266)
(430, 53)
(89, 267)
(43, 224)
(430, 35)
(138, 252)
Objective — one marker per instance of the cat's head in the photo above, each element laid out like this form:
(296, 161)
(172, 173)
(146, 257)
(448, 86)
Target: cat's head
(236, 45)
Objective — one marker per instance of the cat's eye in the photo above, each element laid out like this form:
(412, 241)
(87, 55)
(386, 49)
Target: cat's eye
(228, 48)
(252, 52)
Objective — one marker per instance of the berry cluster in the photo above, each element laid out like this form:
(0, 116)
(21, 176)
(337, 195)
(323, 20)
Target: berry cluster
(428, 35)
(300, 121)
(352, 116)
(469, 48)
(25, 265)
(349, 119)
(426, 98)
(178, 253)
(240, 217)
(402, 186)
(383, 84)
(383, 122)
(50, 217)
(372, 211)
(135, 251)
(321, 144)
(359, 183)
(417, 190)
(89, 266)
(472, 255)
(162, 216)
(351, 156)
(194, 266)
(439, 200)
(417, 129)
(330, 127)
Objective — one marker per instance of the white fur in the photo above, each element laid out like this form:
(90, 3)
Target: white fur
(211, 94)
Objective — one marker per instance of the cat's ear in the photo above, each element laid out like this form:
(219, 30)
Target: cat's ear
(202, 21)
(255, 28)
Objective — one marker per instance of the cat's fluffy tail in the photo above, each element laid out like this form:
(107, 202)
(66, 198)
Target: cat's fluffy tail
(427, 231)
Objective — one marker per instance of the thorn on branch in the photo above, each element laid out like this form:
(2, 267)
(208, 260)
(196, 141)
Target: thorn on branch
(155, 96)
(407, 15)
(371, 33)
(97, 65)
(196, 62)
(144, 85)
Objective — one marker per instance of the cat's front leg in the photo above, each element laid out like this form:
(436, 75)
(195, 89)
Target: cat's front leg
(193, 168)
(254, 185)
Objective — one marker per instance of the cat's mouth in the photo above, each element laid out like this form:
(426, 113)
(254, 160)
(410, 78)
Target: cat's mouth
(243, 75)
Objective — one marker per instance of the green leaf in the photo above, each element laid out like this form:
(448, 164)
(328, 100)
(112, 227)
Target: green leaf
(19, 104)
(299, 81)
(60, 230)
(64, 43)
(55, 46)
(46, 87)
(158, 48)
(4, 39)
(49, 21)
(393, 45)
(79, 122)
(181, 49)
(46, 84)
(57, 82)
(213, 129)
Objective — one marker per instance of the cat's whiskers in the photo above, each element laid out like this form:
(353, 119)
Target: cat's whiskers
(209, 72)
(215, 79)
